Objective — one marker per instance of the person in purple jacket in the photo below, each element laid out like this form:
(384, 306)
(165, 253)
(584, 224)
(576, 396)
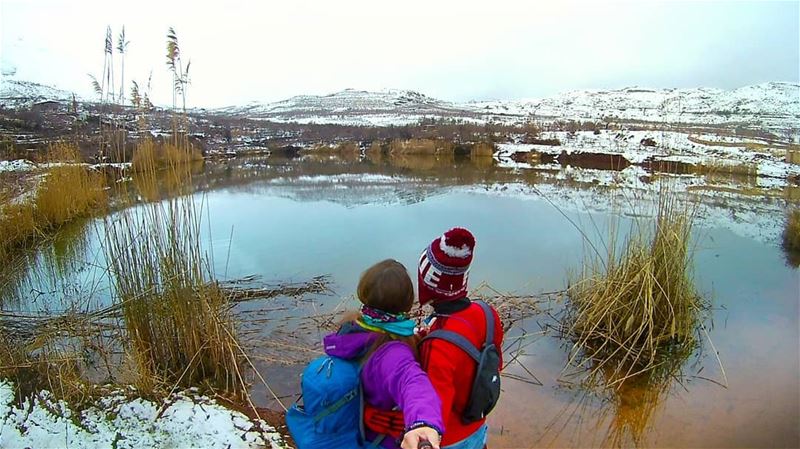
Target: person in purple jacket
(382, 336)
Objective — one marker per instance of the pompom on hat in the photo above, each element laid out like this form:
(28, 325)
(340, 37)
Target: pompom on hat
(444, 266)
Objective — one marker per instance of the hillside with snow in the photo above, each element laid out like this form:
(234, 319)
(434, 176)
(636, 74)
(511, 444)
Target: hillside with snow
(773, 107)
(21, 94)
(352, 107)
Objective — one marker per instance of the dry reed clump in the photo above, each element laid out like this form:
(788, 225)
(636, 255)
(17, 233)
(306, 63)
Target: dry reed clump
(482, 150)
(638, 312)
(420, 146)
(178, 323)
(423, 162)
(150, 155)
(67, 191)
(793, 154)
(17, 225)
(346, 151)
(791, 238)
(727, 169)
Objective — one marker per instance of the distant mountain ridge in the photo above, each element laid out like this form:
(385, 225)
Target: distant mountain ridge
(773, 106)
(348, 104)
(773, 102)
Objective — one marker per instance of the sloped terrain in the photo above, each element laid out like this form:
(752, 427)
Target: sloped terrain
(17, 94)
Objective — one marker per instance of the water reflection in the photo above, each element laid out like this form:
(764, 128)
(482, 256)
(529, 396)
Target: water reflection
(292, 219)
(619, 417)
(45, 278)
(633, 404)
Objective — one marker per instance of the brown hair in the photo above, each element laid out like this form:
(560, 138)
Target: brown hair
(386, 286)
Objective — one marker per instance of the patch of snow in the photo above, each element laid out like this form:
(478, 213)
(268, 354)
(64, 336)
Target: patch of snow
(506, 162)
(118, 165)
(507, 149)
(188, 420)
(17, 165)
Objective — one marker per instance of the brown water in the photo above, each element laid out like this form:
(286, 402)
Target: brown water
(292, 220)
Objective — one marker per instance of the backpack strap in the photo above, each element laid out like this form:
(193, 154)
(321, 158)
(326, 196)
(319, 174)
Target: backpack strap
(458, 340)
(461, 341)
(487, 313)
(349, 396)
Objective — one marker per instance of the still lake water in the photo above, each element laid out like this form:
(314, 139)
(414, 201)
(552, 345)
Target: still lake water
(287, 220)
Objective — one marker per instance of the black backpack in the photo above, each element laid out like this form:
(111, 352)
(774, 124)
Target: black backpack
(486, 386)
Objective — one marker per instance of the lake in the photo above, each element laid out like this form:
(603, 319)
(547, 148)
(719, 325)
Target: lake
(289, 220)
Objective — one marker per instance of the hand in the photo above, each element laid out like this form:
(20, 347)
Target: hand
(416, 438)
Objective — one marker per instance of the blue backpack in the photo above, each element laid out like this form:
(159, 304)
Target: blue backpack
(331, 416)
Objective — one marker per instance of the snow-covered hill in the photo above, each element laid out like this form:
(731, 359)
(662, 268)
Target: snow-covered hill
(15, 93)
(350, 106)
(773, 106)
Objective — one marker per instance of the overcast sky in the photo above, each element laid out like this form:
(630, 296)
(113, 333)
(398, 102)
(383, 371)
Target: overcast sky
(452, 50)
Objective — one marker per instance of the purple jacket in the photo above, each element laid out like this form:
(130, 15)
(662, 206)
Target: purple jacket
(390, 378)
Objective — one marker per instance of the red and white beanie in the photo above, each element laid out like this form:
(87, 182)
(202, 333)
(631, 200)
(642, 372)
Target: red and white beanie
(444, 266)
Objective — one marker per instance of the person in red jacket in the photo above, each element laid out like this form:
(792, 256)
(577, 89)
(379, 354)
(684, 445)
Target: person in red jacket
(442, 276)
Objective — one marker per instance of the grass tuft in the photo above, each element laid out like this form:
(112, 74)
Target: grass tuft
(67, 190)
(638, 312)
(177, 321)
(150, 156)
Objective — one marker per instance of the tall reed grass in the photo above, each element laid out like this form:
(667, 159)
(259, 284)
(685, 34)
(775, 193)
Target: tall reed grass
(67, 190)
(637, 310)
(150, 155)
(420, 146)
(178, 321)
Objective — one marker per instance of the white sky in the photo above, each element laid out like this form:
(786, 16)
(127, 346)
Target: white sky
(452, 50)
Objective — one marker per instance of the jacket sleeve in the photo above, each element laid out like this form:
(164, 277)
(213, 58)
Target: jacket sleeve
(408, 385)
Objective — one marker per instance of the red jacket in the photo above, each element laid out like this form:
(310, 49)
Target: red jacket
(452, 370)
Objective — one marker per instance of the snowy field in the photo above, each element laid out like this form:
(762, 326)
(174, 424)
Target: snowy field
(185, 420)
(668, 146)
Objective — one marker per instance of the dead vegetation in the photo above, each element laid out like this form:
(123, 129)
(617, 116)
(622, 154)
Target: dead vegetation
(151, 155)
(66, 190)
(636, 310)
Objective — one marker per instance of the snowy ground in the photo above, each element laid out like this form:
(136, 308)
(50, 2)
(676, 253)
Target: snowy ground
(186, 421)
(17, 165)
(769, 161)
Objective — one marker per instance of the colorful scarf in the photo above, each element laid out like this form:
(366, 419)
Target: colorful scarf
(379, 321)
